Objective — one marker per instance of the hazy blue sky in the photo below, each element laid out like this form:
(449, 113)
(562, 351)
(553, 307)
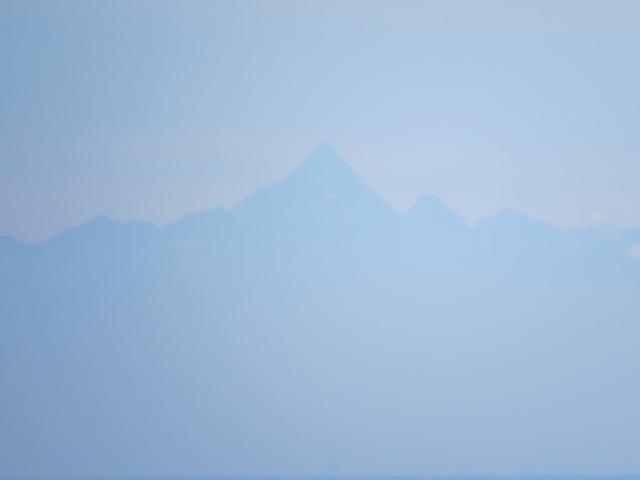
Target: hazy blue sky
(149, 110)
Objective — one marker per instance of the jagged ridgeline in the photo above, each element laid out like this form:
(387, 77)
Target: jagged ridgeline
(313, 329)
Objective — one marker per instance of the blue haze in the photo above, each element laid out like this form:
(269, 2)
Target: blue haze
(460, 297)
(311, 329)
(151, 110)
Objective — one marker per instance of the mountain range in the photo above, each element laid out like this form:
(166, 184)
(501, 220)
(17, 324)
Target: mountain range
(312, 329)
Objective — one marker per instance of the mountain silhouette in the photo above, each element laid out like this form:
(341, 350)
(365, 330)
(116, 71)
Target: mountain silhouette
(323, 189)
(311, 322)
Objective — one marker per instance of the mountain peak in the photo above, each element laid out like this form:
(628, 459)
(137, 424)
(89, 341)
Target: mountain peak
(323, 184)
(325, 173)
(322, 151)
(324, 160)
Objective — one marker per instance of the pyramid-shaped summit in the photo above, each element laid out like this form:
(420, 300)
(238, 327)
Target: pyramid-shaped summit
(323, 173)
(322, 183)
(324, 165)
(324, 156)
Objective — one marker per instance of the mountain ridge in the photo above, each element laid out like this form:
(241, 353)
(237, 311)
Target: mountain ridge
(321, 177)
(300, 328)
